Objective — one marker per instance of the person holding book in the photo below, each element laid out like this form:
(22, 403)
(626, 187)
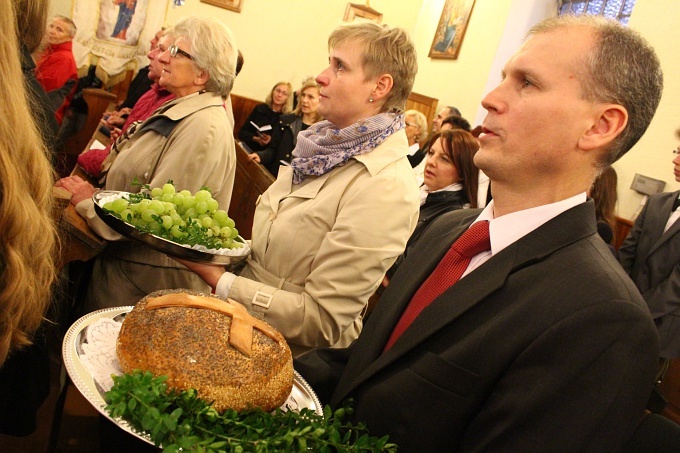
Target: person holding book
(284, 136)
(256, 131)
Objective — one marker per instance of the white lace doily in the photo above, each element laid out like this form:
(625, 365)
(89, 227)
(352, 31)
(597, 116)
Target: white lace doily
(99, 351)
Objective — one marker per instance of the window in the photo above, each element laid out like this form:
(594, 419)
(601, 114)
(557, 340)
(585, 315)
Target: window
(615, 9)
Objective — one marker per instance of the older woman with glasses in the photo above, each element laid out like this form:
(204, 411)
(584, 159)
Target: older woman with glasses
(416, 132)
(328, 228)
(187, 140)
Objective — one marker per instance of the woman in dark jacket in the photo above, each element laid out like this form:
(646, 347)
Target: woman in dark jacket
(451, 179)
(284, 135)
(279, 101)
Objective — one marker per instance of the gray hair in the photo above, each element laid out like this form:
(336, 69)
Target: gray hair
(72, 29)
(622, 68)
(421, 122)
(213, 49)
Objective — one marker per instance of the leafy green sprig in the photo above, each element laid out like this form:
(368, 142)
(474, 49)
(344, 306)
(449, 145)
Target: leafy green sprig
(181, 421)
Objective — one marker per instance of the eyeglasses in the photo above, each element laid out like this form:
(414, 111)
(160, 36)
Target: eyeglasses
(174, 50)
(411, 124)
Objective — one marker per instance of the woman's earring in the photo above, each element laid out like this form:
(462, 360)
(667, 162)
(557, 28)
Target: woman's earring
(370, 99)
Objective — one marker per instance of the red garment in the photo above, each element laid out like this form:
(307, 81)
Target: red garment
(55, 67)
(449, 270)
(91, 161)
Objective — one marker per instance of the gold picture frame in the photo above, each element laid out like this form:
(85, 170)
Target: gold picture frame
(451, 29)
(233, 5)
(354, 10)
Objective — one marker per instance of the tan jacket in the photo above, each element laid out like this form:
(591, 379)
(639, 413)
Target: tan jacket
(197, 152)
(321, 248)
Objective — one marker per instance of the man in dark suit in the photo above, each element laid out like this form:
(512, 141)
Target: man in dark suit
(544, 344)
(651, 256)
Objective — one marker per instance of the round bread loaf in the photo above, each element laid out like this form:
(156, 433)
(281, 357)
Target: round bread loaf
(203, 342)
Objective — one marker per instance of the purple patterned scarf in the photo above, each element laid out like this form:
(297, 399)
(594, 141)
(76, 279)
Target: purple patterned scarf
(323, 147)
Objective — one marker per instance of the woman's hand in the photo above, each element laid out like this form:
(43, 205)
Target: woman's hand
(79, 188)
(115, 133)
(210, 273)
(263, 139)
(254, 157)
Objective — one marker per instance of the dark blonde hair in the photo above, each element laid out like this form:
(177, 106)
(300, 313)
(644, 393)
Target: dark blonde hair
(603, 193)
(31, 22)
(461, 148)
(28, 235)
(386, 51)
(298, 109)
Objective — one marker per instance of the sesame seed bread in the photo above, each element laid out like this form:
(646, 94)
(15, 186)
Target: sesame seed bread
(215, 347)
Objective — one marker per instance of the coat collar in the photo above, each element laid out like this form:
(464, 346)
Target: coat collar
(392, 149)
(367, 358)
(661, 219)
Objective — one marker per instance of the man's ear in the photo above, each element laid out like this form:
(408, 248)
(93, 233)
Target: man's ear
(609, 125)
(382, 87)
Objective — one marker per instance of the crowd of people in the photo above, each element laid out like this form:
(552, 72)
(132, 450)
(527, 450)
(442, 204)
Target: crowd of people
(483, 248)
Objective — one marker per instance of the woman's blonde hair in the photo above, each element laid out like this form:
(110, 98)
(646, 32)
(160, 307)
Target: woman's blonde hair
(298, 109)
(421, 122)
(28, 240)
(386, 51)
(288, 106)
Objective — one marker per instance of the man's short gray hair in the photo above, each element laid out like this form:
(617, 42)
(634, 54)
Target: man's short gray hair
(622, 68)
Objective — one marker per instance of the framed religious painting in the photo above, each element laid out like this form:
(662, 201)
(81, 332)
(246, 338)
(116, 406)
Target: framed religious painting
(354, 10)
(233, 5)
(450, 32)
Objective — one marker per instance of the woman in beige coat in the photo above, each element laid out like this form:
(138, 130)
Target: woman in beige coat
(188, 140)
(335, 220)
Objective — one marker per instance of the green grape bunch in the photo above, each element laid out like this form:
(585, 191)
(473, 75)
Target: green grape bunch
(180, 217)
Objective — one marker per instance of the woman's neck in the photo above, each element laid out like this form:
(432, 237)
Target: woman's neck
(277, 107)
(309, 118)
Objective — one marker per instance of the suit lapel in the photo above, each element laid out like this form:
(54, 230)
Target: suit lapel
(367, 358)
(664, 210)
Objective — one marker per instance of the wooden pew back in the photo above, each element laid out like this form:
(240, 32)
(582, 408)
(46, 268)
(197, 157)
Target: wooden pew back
(242, 108)
(251, 180)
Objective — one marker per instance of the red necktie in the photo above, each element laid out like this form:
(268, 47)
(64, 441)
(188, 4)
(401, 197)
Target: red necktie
(449, 270)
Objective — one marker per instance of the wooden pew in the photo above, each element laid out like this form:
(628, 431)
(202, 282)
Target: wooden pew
(670, 386)
(98, 101)
(425, 104)
(251, 180)
(242, 108)
(623, 227)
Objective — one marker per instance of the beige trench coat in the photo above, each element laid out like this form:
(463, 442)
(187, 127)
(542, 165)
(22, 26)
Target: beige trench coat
(321, 248)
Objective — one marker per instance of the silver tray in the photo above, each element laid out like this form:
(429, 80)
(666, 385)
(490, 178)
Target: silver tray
(161, 244)
(81, 377)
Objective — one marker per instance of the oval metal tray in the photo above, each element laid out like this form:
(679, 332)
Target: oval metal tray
(302, 393)
(161, 244)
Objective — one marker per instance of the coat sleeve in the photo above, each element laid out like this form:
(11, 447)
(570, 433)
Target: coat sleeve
(628, 249)
(664, 298)
(54, 72)
(367, 236)
(199, 153)
(557, 398)
(322, 368)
